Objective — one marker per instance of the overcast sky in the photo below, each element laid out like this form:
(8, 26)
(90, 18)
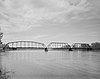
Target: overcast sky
(50, 20)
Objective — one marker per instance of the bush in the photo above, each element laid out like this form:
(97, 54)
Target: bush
(4, 74)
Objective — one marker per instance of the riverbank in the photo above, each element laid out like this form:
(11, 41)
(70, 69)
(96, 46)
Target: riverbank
(4, 74)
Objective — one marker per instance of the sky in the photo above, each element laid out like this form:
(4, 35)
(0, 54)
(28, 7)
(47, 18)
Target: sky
(45, 21)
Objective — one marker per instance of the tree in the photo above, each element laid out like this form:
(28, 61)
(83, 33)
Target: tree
(95, 45)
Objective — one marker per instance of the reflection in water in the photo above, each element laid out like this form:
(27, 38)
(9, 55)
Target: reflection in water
(52, 65)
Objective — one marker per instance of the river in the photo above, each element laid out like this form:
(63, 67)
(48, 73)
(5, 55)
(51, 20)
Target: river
(37, 64)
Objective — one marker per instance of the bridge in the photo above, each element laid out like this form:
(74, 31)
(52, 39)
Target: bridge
(17, 45)
(81, 46)
(59, 46)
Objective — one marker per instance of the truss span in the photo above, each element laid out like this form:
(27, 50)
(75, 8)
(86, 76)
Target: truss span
(24, 45)
(81, 46)
(58, 45)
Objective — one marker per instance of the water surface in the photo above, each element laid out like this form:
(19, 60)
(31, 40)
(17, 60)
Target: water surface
(37, 64)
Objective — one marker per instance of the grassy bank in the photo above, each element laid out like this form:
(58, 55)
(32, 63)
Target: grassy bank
(4, 74)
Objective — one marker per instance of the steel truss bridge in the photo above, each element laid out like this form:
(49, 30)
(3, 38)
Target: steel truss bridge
(17, 45)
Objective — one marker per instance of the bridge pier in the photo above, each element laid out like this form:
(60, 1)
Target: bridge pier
(46, 49)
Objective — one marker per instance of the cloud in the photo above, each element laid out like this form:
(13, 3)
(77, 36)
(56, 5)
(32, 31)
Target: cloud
(21, 15)
(40, 37)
